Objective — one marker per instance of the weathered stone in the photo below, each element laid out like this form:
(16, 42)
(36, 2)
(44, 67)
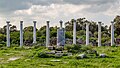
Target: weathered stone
(69, 54)
(59, 54)
(51, 52)
(81, 56)
(102, 55)
(13, 58)
(55, 60)
(58, 51)
(65, 51)
(50, 47)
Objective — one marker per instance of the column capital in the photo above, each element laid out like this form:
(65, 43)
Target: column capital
(48, 22)
(99, 22)
(61, 21)
(112, 21)
(21, 21)
(34, 21)
(7, 21)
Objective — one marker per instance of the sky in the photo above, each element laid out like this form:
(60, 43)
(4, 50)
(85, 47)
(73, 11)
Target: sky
(56, 10)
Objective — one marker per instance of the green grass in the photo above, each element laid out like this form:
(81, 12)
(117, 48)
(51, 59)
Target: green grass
(26, 61)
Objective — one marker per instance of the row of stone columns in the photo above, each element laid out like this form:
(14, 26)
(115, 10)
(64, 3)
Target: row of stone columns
(48, 33)
(21, 33)
(99, 33)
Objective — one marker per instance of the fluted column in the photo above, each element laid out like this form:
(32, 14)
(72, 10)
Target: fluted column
(87, 33)
(99, 34)
(74, 32)
(21, 33)
(8, 33)
(112, 33)
(34, 32)
(47, 34)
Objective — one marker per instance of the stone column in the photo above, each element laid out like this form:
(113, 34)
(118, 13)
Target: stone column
(74, 32)
(34, 32)
(99, 34)
(87, 33)
(8, 33)
(47, 34)
(21, 33)
(60, 35)
(112, 33)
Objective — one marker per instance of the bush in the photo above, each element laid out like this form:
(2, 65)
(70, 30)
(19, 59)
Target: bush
(1, 45)
(42, 55)
(60, 48)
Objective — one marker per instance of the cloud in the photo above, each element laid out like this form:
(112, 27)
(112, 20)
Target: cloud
(55, 10)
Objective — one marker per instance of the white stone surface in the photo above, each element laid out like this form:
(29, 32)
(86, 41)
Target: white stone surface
(47, 35)
(34, 32)
(99, 34)
(21, 33)
(87, 33)
(8, 33)
(112, 33)
(74, 33)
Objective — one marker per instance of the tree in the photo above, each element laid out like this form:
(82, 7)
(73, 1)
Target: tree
(117, 25)
(29, 28)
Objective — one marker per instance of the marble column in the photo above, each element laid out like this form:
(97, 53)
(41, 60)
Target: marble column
(34, 32)
(8, 33)
(21, 33)
(112, 33)
(99, 34)
(87, 33)
(47, 34)
(60, 35)
(74, 32)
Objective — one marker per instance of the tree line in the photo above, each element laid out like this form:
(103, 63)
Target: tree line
(41, 32)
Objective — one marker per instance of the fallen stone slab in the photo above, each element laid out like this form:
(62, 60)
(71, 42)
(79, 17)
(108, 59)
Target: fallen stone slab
(58, 54)
(55, 60)
(13, 58)
(81, 56)
(103, 55)
(51, 52)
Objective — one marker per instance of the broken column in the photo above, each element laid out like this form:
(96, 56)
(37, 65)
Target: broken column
(47, 34)
(99, 34)
(112, 33)
(74, 32)
(87, 33)
(8, 33)
(61, 35)
(21, 33)
(34, 32)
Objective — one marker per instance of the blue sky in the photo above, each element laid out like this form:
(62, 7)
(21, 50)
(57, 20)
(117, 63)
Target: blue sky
(55, 10)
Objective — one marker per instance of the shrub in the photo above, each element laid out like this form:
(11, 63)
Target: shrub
(60, 48)
(42, 55)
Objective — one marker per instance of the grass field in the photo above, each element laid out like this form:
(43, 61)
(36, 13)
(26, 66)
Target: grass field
(16, 57)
